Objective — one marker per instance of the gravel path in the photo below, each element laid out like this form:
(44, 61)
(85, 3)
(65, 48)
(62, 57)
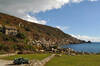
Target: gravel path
(7, 55)
(7, 63)
(4, 62)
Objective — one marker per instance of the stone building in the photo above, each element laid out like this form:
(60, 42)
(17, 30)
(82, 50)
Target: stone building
(10, 30)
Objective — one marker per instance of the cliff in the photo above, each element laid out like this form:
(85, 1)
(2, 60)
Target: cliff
(18, 34)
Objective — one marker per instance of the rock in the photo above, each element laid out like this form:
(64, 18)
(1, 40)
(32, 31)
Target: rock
(89, 42)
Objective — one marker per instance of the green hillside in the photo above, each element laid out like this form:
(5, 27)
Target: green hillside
(17, 34)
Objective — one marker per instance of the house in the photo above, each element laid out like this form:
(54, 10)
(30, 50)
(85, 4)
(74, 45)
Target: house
(10, 30)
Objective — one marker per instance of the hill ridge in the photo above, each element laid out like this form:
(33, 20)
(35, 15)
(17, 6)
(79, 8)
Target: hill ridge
(30, 34)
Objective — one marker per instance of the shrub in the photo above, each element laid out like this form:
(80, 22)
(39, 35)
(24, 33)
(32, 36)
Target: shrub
(25, 41)
(20, 35)
(30, 47)
(8, 38)
(14, 46)
(4, 47)
(5, 38)
(1, 46)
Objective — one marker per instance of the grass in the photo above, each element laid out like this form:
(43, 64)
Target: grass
(87, 60)
(28, 56)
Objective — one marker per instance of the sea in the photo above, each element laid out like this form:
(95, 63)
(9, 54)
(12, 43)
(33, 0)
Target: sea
(93, 47)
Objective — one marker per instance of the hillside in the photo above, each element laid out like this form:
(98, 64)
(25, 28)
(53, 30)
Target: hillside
(18, 34)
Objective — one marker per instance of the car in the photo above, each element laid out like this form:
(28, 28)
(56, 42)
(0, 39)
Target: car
(21, 60)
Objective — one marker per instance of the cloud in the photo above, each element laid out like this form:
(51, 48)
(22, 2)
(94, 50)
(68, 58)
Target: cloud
(33, 19)
(93, 0)
(21, 8)
(62, 27)
(77, 1)
(87, 38)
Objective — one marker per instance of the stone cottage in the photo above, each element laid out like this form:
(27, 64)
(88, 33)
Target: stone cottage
(10, 30)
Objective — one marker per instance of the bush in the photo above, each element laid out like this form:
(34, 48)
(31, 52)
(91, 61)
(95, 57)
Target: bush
(4, 47)
(1, 46)
(14, 47)
(9, 38)
(20, 35)
(5, 38)
(30, 47)
(13, 39)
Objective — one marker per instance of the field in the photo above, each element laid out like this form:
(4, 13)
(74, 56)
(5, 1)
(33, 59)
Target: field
(28, 56)
(64, 60)
(87, 60)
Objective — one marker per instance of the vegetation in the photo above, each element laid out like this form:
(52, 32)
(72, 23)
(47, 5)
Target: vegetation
(29, 33)
(15, 47)
(20, 35)
(3, 47)
(28, 56)
(40, 30)
(87, 60)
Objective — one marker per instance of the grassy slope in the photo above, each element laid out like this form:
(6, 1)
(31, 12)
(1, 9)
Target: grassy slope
(28, 56)
(35, 31)
(31, 32)
(88, 60)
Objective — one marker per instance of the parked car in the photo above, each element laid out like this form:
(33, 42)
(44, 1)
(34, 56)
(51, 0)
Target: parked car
(20, 61)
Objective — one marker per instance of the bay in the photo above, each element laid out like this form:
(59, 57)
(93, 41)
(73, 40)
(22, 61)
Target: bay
(86, 47)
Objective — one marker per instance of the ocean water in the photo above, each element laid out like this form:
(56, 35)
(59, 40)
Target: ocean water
(86, 47)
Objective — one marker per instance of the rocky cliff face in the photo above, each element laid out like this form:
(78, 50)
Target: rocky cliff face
(33, 34)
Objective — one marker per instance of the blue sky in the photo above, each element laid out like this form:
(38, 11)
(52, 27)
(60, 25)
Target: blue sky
(80, 18)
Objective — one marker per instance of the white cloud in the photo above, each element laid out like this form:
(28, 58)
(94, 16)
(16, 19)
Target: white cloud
(87, 38)
(33, 19)
(20, 8)
(93, 0)
(77, 1)
(62, 27)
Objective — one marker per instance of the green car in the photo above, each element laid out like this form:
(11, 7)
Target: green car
(20, 61)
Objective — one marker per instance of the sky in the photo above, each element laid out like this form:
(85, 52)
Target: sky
(79, 18)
